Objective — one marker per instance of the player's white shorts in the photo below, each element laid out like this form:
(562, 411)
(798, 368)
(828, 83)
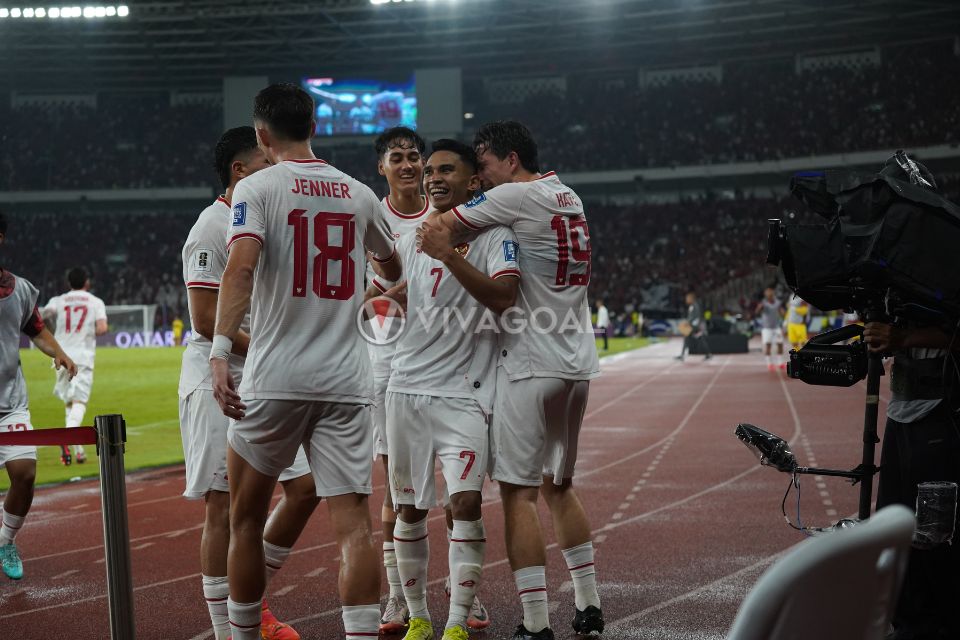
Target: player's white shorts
(203, 430)
(76, 390)
(379, 408)
(769, 336)
(536, 426)
(18, 421)
(335, 435)
(421, 429)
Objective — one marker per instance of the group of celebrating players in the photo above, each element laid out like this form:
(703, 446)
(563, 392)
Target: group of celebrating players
(277, 294)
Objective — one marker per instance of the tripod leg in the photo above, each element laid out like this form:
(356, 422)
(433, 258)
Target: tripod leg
(871, 409)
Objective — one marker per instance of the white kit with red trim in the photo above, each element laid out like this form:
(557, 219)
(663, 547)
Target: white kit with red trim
(548, 218)
(204, 259)
(77, 313)
(449, 344)
(400, 225)
(314, 225)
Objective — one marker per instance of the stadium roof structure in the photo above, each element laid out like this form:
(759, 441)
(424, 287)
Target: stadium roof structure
(193, 44)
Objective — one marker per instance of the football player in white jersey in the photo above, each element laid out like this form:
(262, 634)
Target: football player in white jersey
(441, 387)
(546, 363)
(296, 249)
(400, 161)
(203, 427)
(80, 317)
(19, 314)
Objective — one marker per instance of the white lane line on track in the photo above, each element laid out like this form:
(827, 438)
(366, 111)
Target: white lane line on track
(797, 433)
(316, 572)
(65, 574)
(284, 590)
(99, 547)
(95, 598)
(142, 546)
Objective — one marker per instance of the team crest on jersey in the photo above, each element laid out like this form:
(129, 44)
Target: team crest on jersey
(202, 263)
(240, 214)
(510, 250)
(463, 249)
(476, 200)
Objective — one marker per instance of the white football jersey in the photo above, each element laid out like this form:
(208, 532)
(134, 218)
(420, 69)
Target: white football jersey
(553, 336)
(448, 346)
(314, 224)
(400, 225)
(204, 258)
(77, 313)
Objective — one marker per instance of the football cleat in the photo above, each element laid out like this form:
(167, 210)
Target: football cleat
(522, 634)
(81, 457)
(395, 616)
(65, 458)
(478, 619)
(12, 564)
(455, 632)
(420, 629)
(588, 622)
(273, 629)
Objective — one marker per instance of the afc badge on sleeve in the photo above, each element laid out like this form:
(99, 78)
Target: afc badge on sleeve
(240, 214)
(510, 250)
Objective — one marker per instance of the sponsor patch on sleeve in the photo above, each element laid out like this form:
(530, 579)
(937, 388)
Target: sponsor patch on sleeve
(476, 200)
(240, 214)
(201, 260)
(510, 250)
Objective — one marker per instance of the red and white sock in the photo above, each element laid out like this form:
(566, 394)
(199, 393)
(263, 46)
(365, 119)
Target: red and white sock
(584, 575)
(75, 419)
(244, 619)
(361, 621)
(468, 543)
(10, 526)
(274, 558)
(413, 556)
(532, 589)
(215, 592)
(393, 574)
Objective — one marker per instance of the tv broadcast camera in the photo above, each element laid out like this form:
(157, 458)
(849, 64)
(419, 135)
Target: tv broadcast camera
(887, 251)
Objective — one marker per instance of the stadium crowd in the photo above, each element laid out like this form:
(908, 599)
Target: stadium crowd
(636, 251)
(140, 141)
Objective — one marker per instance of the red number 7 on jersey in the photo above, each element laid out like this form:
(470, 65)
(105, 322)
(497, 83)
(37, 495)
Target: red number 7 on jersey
(471, 458)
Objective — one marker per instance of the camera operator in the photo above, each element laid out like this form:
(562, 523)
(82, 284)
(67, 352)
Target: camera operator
(921, 443)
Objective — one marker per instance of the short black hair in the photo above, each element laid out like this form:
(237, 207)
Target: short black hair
(465, 151)
(232, 143)
(403, 137)
(3, 223)
(77, 277)
(287, 109)
(503, 136)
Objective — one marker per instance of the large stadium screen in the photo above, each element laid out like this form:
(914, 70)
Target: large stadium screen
(361, 107)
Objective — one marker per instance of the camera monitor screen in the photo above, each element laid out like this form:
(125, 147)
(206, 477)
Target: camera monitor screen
(360, 106)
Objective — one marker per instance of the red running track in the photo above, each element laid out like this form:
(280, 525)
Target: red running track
(685, 519)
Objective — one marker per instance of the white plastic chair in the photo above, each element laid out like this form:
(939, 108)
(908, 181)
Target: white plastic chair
(839, 586)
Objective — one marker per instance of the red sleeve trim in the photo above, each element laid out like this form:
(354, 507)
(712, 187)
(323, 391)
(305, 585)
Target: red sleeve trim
(379, 286)
(466, 222)
(506, 272)
(203, 285)
(34, 326)
(387, 259)
(241, 236)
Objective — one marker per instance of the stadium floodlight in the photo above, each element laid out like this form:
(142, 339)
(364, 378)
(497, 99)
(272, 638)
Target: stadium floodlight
(89, 12)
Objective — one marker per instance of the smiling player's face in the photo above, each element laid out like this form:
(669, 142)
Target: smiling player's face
(493, 171)
(403, 168)
(448, 181)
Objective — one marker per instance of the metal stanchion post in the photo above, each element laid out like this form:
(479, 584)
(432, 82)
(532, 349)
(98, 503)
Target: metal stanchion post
(111, 439)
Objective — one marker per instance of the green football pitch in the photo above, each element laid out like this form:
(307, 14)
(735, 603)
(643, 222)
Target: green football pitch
(140, 384)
